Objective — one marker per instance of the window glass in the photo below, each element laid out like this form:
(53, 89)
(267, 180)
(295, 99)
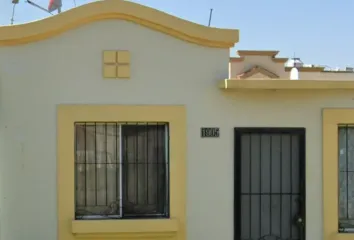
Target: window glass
(121, 170)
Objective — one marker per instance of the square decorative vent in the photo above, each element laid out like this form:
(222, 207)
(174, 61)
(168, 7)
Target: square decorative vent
(116, 64)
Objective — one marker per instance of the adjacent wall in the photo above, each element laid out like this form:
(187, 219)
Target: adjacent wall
(277, 67)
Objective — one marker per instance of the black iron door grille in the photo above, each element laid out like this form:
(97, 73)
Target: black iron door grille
(269, 184)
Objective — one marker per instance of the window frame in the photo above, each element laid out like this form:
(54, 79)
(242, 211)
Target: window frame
(120, 125)
(68, 227)
(332, 118)
(345, 169)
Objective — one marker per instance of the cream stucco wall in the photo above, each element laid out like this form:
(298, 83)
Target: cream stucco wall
(262, 61)
(327, 75)
(35, 78)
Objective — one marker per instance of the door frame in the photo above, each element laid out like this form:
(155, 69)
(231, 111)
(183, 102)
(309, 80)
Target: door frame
(238, 131)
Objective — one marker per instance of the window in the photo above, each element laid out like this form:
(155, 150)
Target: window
(337, 163)
(121, 170)
(346, 178)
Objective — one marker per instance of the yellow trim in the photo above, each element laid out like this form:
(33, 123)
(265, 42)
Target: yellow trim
(123, 71)
(123, 10)
(110, 57)
(109, 71)
(69, 229)
(285, 84)
(269, 53)
(276, 60)
(280, 60)
(116, 64)
(123, 57)
(331, 119)
(124, 226)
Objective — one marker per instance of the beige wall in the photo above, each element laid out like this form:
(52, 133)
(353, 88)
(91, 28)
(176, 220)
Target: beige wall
(262, 61)
(279, 69)
(327, 75)
(35, 78)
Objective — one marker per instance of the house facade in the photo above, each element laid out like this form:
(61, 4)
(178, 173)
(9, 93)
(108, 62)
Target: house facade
(118, 121)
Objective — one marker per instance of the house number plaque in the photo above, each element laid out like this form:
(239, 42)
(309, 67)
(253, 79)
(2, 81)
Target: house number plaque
(210, 132)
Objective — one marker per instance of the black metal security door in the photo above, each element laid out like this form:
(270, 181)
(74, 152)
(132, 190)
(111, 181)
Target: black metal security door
(269, 184)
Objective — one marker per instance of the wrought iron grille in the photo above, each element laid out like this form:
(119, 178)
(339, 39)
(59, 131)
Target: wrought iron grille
(121, 170)
(269, 184)
(346, 178)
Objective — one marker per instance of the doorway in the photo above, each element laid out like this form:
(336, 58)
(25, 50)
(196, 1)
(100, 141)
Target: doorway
(269, 184)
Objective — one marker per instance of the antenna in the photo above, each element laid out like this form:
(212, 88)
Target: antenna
(13, 14)
(37, 6)
(294, 73)
(210, 16)
(14, 2)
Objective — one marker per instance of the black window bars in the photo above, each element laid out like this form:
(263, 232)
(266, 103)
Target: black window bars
(346, 178)
(121, 170)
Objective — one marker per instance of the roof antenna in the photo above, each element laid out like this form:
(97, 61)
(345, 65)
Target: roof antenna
(14, 2)
(294, 73)
(210, 16)
(37, 6)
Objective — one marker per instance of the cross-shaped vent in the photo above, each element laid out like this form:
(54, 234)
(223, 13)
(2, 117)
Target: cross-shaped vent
(116, 64)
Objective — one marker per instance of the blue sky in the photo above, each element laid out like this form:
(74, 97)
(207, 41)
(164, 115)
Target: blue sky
(319, 32)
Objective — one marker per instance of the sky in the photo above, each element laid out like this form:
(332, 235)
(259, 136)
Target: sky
(319, 32)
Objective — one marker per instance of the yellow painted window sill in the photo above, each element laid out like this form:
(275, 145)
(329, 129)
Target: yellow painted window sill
(124, 226)
(342, 236)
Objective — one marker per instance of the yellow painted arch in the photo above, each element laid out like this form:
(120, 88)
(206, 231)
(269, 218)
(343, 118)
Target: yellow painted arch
(123, 10)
